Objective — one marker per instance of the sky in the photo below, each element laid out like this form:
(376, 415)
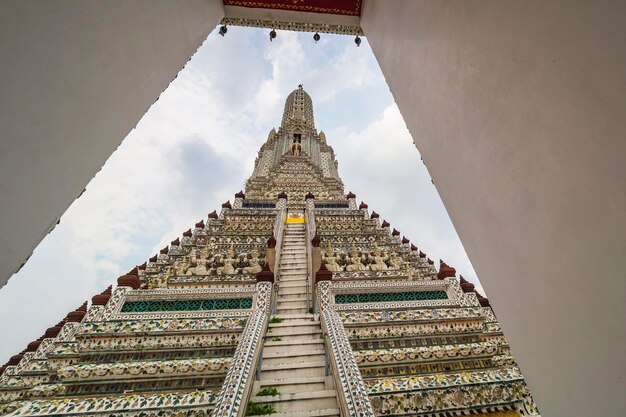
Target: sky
(196, 146)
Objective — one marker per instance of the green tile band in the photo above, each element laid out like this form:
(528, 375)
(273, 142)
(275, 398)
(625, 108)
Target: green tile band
(390, 297)
(186, 305)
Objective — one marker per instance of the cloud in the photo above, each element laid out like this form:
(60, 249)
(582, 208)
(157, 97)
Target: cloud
(381, 165)
(295, 60)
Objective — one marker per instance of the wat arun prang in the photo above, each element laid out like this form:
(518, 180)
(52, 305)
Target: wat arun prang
(293, 301)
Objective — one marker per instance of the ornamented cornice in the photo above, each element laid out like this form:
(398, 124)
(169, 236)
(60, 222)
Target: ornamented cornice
(423, 382)
(384, 316)
(143, 369)
(294, 26)
(499, 396)
(345, 7)
(155, 341)
(129, 327)
(166, 403)
(424, 353)
(414, 329)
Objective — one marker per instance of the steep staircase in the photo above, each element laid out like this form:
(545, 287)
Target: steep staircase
(293, 350)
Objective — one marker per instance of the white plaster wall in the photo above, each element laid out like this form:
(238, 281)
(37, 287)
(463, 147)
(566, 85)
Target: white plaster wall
(75, 77)
(519, 111)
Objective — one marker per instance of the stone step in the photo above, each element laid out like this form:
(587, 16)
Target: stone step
(290, 310)
(291, 293)
(300, 401)
(293, 385)
(293, 278)
(327, 412)
(292, 370)
(286, 265)
(293, 266)
(289, 323)
(292, 273)
(285, 358)
(285, 302)
(294, 258)
(311, 328)
(288, 346)
(299, 354)
(292, 284)
(288, 288)
(295, 316)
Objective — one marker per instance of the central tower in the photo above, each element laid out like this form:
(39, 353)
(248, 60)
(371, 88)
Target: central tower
(291, 300)
(295, 160)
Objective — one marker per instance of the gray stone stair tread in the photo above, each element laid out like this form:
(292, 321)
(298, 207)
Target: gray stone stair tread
(293, 381)
(307, 413)
(279, 355)
(296, 365)
(291, 300)
(292, 278)
(294, 323)
(271, 343)
(296, 396)
(294, 273)
(295, 316)
(292, 307)
(292, 284)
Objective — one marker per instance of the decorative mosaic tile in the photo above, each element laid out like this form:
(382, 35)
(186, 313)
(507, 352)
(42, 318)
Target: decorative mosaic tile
(168, 403)
(144, 368)
(390, 297)
(439, 401)
(385, 316)
(421, 382)
(425, 353)
(186, 305)
(156, 341)
(170, 325)
(414, 329)
(347, 371)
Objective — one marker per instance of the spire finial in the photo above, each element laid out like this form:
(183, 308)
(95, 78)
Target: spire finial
(298, 114)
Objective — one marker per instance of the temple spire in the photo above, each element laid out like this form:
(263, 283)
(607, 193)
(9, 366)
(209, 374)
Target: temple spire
(298, 110)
